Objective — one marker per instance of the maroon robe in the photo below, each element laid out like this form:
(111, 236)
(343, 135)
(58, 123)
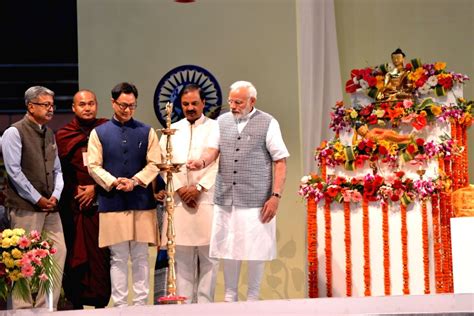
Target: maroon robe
(87, 271)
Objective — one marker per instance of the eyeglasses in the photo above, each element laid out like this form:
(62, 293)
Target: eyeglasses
(46, 105)
(237, 102)
(124, 106)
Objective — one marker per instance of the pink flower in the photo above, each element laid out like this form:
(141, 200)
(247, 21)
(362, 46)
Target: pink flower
(41, 253)
(53, 250)
(35, 236)
(43, 277)
(27, 270)
(45, 244)
(24, 242)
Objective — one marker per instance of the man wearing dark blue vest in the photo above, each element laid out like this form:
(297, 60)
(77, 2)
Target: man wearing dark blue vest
(249, 184)
(35, 180)
(123, 155)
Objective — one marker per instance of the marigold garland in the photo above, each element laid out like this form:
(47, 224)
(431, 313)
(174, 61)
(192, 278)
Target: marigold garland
(404, 234)
(426, 251)
(365, 229)
(454, 162)
(438, 263)
(323, 169)
(386, 249)
(465, 158)
(446, 233)
(328, 246)
(312, 235)
(460, 167)
(347, 243)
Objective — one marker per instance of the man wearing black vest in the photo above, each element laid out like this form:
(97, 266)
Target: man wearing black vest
(35, 180)
(123, 155)
(249, 184)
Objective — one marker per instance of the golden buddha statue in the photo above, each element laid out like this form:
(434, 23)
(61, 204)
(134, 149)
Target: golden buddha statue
(396, 86)
(378, 134)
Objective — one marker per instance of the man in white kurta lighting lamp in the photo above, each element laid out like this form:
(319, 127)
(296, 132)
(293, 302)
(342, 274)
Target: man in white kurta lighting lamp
(249, 184)
(194, 191)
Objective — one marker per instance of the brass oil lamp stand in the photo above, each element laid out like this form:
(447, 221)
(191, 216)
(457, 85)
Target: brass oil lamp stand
(170, 168)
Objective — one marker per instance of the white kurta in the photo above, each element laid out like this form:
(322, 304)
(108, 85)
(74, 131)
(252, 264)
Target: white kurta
(238, 233)
(192, 225)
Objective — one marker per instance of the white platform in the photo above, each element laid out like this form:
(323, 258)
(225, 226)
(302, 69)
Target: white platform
(462, 235)
(411, 304)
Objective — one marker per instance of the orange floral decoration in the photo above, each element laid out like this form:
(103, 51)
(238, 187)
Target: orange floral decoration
(328, 246)
(324, 169)
(312, 235)
(426, 250)
(438, 263)
(454, 162)
(466, 158)
(365, 229)
(386, 249)
(347, 243)
(446, 233)
(404, 233)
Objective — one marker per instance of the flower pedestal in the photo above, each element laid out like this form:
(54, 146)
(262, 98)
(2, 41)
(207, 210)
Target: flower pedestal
(462, 233)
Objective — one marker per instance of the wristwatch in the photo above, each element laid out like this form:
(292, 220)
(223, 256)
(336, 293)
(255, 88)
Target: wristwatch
(199, 187)
(278, 195)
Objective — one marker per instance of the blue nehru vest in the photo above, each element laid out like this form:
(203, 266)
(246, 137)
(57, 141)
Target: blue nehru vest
(124, 150)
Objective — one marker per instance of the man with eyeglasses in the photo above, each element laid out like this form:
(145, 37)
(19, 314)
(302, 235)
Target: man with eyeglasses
(249, 184)
(35, 180)
(87, 270)
(123, 155)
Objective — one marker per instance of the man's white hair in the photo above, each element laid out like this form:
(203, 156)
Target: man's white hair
(245, 84)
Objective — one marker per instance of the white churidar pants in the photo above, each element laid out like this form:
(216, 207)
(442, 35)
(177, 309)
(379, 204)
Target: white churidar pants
(231, 279)
(119, 254)
(196, 273)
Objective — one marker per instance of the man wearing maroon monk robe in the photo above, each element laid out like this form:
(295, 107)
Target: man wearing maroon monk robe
(87, 271)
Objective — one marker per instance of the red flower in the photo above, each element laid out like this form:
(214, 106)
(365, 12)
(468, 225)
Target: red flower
(366, 110)
(411, 148)
(371, 81)
(333, 191)
(408, 66)
(400, 174)
(351, 87)
(372, 119)
(383, 150)
(420, 82)
(419, 122)
(420, 141)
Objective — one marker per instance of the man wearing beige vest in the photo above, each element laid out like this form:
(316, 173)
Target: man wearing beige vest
(194, 191)
(249, 184)
(35, 179)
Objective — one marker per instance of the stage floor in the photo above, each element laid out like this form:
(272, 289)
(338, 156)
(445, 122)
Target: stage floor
(393, 305)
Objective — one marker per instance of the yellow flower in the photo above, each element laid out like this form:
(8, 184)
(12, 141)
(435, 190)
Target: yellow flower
(17, 254)
(381, 123)
(14, 240)
(15, 275)
(339, 156)
(6, 242)
(380, 82)
(18, 263)
(338, 147)
(384, 143)
(9, 262)
(7, 233)
(6, 254)
(393, 149)
(353, 114)
(439, 65)
(18, 231)
(414, 76)
(436, 110)
(380, 112)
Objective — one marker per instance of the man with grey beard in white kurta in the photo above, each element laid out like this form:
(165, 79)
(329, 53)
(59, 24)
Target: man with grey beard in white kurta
(194, 191)
(249, 184)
